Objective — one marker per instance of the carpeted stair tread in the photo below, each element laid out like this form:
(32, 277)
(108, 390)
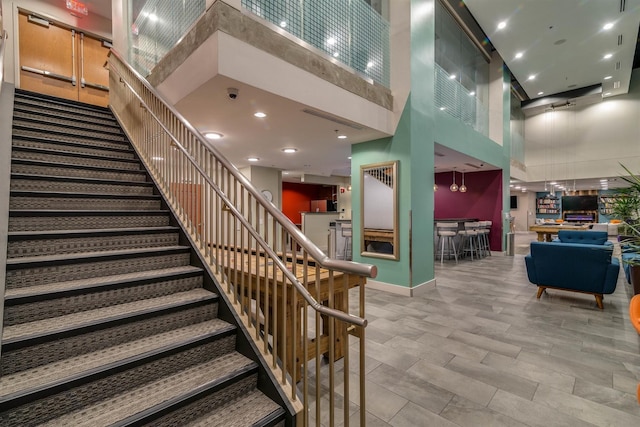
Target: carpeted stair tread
(92, 317)
(44, 141)
(26, 108)
(248, 410)
(154, 393)
(97, 150)
(46, 220)
(52, 234)
(102, 281)
(25, 200)
(26, 132)
(41, 245)
(87, 256)
(30, 182)
(72, 158)
(74, 366)
(60, 130)
(43, 116)
(53, 102)
(73, 170)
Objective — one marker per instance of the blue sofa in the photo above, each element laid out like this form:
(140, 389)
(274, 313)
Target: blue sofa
(574, 267)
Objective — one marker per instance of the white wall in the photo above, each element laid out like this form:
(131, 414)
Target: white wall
(585, 141)
(496, 98)
(54, 10)
(525, 214)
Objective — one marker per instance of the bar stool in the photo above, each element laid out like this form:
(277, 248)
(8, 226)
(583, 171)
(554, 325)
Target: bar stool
(446, 233)
(347, 233)
(470, 239)
(483, 237)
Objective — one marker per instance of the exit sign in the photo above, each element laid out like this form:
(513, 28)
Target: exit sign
(76, 6)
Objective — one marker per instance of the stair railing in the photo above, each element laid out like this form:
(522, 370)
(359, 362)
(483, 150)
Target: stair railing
(294, 300)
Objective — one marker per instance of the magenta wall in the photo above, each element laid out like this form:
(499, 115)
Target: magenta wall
(483, 200)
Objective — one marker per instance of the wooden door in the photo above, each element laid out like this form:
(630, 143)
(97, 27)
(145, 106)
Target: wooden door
(94, 75)
(49, 49)
(63, 62)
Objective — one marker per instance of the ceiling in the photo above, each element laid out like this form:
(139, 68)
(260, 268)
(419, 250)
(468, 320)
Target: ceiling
(563, 44)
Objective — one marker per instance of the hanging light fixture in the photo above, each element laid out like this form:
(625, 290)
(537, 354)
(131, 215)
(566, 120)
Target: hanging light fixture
(463, 188)
(435, 187)
(454, 186)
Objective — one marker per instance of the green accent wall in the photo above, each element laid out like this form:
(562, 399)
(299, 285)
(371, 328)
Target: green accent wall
(421, 126)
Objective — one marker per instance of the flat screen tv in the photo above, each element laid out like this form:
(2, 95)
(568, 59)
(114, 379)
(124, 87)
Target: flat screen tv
(514, 202)
(579, 203)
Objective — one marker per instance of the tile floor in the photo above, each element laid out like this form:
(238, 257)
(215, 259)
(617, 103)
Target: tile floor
(478, 349)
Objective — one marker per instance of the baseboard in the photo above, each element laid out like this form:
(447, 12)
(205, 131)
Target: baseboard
(401, 290)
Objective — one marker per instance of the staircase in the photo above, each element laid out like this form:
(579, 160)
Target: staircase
(109, 319)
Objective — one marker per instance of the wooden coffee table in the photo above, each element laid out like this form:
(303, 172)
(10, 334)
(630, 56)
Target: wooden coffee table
(546, 231)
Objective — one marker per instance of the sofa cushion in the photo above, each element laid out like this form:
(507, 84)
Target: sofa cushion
(588, 237)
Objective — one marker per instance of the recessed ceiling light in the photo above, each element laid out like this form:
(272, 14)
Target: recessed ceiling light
(502, 25)
(442, 108)
(336, 54)
(511, 185)
(517, 187)
(153, 17)
(285, 173)
(342, 136)
(213, 135)
(283, 24)
(472, 93)
(608, 26)
(540, 93)
(369, 64)
(532, 77)
(553, 183)
(253, 159)
(519, 55)
(331, 41)
(349, 157)
(608, 55)
(289, 150)
(260, 114)
(608, 77)
(452, 76)
(604, 180)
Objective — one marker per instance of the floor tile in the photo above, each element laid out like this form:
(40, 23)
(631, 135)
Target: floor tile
(413, 415)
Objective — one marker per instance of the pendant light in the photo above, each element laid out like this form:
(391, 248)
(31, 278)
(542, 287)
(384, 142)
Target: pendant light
(435, 187)
(454, 186)
(463, 188)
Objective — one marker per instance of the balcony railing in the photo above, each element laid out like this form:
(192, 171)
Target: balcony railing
(348, 31)
(461, 103)
(294, 302)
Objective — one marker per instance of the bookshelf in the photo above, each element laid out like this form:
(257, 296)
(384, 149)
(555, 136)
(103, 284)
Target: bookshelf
(547, 205)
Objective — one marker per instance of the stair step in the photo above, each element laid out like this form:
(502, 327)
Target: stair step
(70, 158)
(27, 182)
(105, 397)
(23, 132)
(34, 108)
(43, 220)
(88, 319)
(247, 409)
(69, 125)
(38, 243)
(48, 128)
(25, 307)
(81, 365)
(54, 103)
(39, 167)
(103, 149)
(33, 200)
(28, 351)
(33, 271)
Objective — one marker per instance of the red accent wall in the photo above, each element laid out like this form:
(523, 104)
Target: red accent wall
(483, 200)
(297, 198)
